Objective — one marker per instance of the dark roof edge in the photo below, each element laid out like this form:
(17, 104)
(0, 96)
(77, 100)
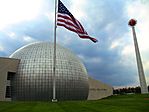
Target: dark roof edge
(9, 58)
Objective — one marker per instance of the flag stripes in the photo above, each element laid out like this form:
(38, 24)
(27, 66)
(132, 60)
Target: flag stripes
(67, 20)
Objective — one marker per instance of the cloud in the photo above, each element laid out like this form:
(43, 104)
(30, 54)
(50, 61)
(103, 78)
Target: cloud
(16, 11)
(128, 50)
(77, 9)
(1, 48)
(28, 39)
(93, 60)
(147, 65)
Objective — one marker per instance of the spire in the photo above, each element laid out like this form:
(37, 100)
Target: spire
(143, 84)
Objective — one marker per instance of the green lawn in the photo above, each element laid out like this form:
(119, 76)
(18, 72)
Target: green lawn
(120, 103)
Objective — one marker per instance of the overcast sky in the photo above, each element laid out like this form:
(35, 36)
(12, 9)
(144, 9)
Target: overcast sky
(111, 60)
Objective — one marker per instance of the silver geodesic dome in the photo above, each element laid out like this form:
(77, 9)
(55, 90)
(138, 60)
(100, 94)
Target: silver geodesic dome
(33, 80)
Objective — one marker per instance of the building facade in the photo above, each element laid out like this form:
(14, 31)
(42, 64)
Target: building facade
(8, 69)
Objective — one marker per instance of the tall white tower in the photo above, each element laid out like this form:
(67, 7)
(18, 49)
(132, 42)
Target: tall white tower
(143, 84)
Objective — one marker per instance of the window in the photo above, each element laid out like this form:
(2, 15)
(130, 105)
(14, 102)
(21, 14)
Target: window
(8, 92)
(10, 75)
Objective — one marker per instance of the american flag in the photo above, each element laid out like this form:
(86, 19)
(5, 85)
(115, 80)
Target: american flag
(67, 20)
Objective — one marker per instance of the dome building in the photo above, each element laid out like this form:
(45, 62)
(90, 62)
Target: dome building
(27, 75)
(33, 80)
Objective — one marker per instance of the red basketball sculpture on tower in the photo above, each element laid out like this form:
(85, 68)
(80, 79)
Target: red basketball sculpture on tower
(132, 22)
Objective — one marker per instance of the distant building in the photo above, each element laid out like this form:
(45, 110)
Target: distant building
(27, 76)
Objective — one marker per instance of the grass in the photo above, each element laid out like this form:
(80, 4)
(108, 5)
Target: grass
(120, 103)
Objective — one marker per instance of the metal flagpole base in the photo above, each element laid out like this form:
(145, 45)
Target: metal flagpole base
(54, 100)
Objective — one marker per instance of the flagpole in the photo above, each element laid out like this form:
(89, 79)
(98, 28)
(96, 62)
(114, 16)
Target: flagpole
(54, 57)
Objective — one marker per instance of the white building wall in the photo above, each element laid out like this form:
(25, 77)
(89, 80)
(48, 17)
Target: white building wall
(98, 90)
